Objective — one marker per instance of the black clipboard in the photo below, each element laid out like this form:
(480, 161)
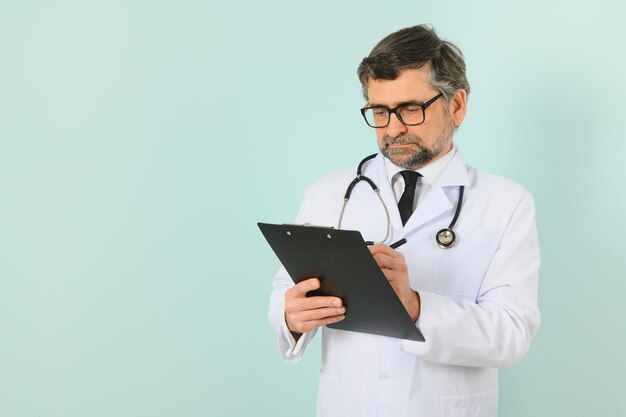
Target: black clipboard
(346, 269)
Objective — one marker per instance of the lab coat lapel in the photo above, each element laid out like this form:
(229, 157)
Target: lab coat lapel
(436, 201)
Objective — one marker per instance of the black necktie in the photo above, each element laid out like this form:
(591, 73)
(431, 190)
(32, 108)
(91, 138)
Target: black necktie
(405, 205)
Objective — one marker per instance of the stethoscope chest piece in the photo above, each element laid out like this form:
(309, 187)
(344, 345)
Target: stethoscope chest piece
(445, 238)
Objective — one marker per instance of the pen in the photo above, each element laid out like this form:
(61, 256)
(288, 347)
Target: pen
(392, 246)
(398, 243)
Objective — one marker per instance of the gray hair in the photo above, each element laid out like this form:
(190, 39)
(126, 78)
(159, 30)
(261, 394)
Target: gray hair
(412, 48)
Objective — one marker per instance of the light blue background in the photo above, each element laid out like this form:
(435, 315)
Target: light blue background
(133, 279)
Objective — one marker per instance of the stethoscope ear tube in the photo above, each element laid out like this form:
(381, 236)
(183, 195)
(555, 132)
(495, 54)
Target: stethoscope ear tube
(346, 198)
(360, 177)
(359, 169)
(350, 188)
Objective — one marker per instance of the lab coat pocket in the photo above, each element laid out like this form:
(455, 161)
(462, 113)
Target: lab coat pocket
(463, 267)
(328, 396)
(476, 405)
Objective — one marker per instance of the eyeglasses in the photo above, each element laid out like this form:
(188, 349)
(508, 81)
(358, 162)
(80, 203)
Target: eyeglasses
(411, 114)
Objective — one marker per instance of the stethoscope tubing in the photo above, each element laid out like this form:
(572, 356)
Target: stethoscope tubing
(445, 237)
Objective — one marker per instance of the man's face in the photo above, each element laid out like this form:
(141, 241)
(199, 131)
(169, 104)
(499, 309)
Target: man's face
(411, 147)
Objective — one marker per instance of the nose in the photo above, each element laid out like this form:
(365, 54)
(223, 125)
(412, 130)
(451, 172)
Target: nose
(395, 127)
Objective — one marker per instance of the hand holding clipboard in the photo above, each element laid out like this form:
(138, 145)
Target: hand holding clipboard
(346, 270)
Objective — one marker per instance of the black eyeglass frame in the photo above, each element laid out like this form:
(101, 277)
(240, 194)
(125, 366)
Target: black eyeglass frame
(424, 106)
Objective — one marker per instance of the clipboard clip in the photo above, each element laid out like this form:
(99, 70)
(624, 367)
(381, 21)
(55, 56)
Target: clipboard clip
(328, 235)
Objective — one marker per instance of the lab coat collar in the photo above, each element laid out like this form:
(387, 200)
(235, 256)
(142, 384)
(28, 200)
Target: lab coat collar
(435, 202)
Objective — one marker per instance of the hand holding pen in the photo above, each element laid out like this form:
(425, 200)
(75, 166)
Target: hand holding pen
(393, 265)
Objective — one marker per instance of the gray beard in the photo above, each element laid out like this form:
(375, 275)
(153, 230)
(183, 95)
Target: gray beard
(417, 158)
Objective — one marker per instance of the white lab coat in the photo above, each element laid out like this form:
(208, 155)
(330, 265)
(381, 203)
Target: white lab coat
(478, 298)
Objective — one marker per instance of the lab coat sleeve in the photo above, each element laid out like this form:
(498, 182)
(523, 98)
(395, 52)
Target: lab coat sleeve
(494, 330)
(289, 349)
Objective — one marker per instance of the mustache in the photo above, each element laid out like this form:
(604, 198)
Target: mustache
(403, 140)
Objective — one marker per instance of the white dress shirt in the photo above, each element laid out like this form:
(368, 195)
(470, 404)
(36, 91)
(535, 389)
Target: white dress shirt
(430, 173)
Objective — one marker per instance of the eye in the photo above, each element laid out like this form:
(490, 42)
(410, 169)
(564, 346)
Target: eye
(411, 109)
(379, 111)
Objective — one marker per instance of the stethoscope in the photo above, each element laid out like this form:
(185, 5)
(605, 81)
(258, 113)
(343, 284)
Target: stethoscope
(445, 237)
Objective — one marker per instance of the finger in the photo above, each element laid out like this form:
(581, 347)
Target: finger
(314, 324)
(319, 314)
(384, 249)
(311, 303)
(301, 288)
(385, 261)
(391, 275)
(308, 320)
(294, 305)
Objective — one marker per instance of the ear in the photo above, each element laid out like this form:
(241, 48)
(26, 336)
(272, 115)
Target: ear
(458, 107)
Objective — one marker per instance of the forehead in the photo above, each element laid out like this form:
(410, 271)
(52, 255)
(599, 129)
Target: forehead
(411, 85)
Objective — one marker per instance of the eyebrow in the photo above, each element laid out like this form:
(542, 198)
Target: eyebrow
(402, 103)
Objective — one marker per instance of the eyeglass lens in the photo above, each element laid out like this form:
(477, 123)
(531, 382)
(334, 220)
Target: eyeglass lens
(379, 116)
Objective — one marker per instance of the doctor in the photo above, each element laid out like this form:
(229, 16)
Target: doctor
(475, 301)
